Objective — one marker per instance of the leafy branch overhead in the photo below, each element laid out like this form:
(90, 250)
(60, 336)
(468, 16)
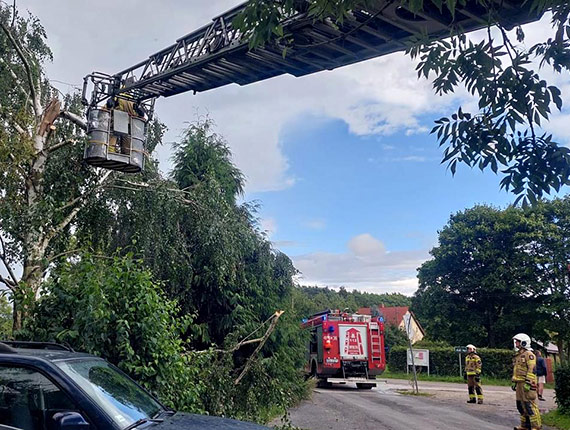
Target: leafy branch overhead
(508, 131)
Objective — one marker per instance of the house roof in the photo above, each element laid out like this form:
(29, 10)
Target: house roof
(393, 315)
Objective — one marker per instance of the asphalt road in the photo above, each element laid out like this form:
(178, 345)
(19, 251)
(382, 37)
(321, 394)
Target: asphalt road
(384, 408)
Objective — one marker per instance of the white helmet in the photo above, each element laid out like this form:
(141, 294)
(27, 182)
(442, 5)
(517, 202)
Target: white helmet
(473, 347)
(524, 339)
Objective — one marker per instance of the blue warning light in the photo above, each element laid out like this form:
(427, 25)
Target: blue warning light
(381, 319)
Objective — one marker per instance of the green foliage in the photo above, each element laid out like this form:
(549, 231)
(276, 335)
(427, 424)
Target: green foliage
(496, 273)
(444, 361)
(482, 269)
(556, 419)
(112, 307)
(209, 255)
(562, 388)
(394, 337)
(505, 133)
(5, 318)
(316, 299)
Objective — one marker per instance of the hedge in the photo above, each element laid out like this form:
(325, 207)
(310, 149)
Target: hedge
(497, 363)
(562, 388)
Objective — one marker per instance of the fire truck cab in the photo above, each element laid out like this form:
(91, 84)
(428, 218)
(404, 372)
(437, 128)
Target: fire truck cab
(345, 348)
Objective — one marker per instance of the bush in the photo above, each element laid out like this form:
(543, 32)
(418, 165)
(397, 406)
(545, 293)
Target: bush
(497, 363)
(562, 388)
(114, 309)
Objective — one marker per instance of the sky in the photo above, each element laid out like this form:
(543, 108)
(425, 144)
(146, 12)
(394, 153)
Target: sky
(347, 176)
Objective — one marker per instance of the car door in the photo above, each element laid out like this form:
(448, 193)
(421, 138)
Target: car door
(29, 399)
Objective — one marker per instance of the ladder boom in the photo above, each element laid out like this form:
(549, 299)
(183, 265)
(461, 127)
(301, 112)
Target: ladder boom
(217, 54)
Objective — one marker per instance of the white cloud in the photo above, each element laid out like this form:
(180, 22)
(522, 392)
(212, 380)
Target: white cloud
(366, 266)
(365, 245)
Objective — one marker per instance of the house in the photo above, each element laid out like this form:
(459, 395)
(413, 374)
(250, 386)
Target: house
(398, 316)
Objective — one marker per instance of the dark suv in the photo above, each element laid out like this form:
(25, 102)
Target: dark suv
(45, 386)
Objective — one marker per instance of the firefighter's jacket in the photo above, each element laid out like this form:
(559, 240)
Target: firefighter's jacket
(524, 367)
(472, 364)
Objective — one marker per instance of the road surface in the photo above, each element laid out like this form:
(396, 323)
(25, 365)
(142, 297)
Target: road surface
(384, 408)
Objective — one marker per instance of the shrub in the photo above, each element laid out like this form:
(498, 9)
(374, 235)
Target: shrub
(562, 388)
(497, 363)
(114, 309)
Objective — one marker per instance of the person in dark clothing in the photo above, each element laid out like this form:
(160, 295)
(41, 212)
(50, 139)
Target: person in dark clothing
(541, 373)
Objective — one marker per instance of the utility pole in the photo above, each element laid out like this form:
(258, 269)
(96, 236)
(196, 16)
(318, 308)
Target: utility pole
(408, 332)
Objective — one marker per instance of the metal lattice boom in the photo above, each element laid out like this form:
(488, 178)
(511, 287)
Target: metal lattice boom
(217, 54)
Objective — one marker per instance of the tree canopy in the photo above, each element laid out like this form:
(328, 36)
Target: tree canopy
(495, 273)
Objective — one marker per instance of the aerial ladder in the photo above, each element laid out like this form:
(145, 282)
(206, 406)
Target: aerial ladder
(121, 105)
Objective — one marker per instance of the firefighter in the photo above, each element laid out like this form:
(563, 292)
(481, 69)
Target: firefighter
(524, 383)
(473, 375)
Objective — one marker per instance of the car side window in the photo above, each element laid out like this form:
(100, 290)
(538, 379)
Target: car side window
(29, 400)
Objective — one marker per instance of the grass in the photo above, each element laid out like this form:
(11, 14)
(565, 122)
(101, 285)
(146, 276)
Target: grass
(456, 379)
(556, 419)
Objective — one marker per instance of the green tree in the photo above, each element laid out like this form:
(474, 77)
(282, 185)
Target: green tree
(43, 182)
(552, 253)
(476, 288)
(507, 131)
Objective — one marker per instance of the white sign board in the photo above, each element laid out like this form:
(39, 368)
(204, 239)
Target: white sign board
(421, 357)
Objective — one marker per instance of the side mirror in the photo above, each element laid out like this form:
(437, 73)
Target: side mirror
(70, 421)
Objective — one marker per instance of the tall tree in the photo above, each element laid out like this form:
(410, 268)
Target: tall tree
(43, 184)
(507, 131)
(476, 287)
(552, 253)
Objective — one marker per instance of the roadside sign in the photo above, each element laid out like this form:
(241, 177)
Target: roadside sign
(460, 350)
(421, 358)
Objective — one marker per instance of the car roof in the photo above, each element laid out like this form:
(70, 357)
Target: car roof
(44, 351)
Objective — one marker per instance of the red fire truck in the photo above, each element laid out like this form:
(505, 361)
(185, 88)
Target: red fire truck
(345, 348)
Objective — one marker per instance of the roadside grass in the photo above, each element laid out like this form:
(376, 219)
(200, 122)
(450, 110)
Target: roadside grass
(556, 419)
(413, 393)
(455, 379)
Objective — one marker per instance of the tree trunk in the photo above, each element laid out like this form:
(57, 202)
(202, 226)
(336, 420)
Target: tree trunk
(561, 352)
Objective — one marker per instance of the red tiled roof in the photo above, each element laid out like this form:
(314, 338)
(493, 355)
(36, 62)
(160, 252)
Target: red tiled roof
(393, 315)
(364, 311)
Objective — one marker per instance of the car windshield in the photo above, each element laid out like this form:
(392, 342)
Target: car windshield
(123, 400)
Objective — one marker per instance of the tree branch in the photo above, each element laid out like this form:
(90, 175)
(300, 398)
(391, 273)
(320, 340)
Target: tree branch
(67, 220)
(17, 82)
(270, 329)
(59, 145)
(61, 254)
(7, 282)
(13, 281)
(32, 83)
(75, 119)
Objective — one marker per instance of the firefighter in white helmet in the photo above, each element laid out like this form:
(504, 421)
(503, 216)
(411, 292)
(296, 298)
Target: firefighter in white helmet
(524, 383)
(473, 375)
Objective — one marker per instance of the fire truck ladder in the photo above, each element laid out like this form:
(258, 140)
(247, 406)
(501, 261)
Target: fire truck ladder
(218, 54)
(375, 344)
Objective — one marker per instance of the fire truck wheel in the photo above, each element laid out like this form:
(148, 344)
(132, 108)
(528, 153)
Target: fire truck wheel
(323, 383)
(363, 386)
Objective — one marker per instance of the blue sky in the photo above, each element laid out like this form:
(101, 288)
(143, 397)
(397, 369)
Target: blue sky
(391, 188)
(342, 163)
